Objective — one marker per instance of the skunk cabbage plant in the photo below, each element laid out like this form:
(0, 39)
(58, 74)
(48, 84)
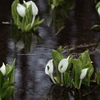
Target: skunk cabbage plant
(71, 71)
(24, 15)
(7, 81)
(49, 70)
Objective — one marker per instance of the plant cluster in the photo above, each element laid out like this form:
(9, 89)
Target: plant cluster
(98, 11)
(70, 71)
(24, 15)
(7, 81)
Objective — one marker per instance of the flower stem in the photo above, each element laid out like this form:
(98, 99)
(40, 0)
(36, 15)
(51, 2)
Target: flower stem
(52, 79)
(32, 21)
(80, 84)
(62, 81)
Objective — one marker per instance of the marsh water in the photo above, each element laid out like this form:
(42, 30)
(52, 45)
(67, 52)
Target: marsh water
(32, 52)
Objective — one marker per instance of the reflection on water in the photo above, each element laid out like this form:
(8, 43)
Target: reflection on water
(62, 93)
(30, 80)
(57, 16)
(26, 41)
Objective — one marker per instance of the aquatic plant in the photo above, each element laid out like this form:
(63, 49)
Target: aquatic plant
(7, 81)
(49, 70)
(71, 71)
(24, 15)
(98, 11)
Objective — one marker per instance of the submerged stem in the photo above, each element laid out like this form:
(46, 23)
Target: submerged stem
(80, 83)
(62, 81)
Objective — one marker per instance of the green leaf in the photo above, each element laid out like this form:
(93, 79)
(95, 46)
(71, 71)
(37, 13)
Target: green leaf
(57, 57)
(8, 69)
(86, 80)
(38, 22)
(6, 93)
(1, 79)
(14, 12)
(28, 28)
(85, 58)
(6, 84)
(10, 73)
(9, 92)
(60, 49)
(95, 26)
(97, 77)
(97, 5)
(76, 72)
(66, 79)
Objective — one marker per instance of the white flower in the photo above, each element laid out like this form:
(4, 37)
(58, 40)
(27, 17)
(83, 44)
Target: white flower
(21, 10)
(49, 70)
(3, 69)
(99, 10)
(49, 67)
(34, 7)
(83, 73)
(63, 65)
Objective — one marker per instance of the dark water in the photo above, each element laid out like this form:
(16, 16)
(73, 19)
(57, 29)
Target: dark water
(30, 80)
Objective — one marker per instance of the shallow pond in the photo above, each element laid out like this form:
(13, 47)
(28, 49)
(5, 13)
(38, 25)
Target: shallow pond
(75, 35)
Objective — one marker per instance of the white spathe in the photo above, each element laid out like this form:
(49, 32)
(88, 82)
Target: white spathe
(49, 70)
(63, 65)
(99, 10)
(34, 7)
(3, 69)
(21, 10)
(49, 67)
(83, 73)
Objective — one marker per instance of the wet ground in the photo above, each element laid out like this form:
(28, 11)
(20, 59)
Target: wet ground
(74, 34)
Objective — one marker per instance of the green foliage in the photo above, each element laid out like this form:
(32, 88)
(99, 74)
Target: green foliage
(14, 12)
(87, 79)
(97, 77)
(57, 57)
(79, 71)
(85, 58)
(76, 72)
(97, 7)
(7, 82)
(24, 23)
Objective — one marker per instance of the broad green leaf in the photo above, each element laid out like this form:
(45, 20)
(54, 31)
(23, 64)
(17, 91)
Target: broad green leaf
(76, 71)
(60, 49)
(10, 73)
(14, 11)
(9, 92)
(97, 77)
(66, 79)
(5, 93)
(97, 5)
(57, 57)
(8, 69)
(86, 80)
(85, 58)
